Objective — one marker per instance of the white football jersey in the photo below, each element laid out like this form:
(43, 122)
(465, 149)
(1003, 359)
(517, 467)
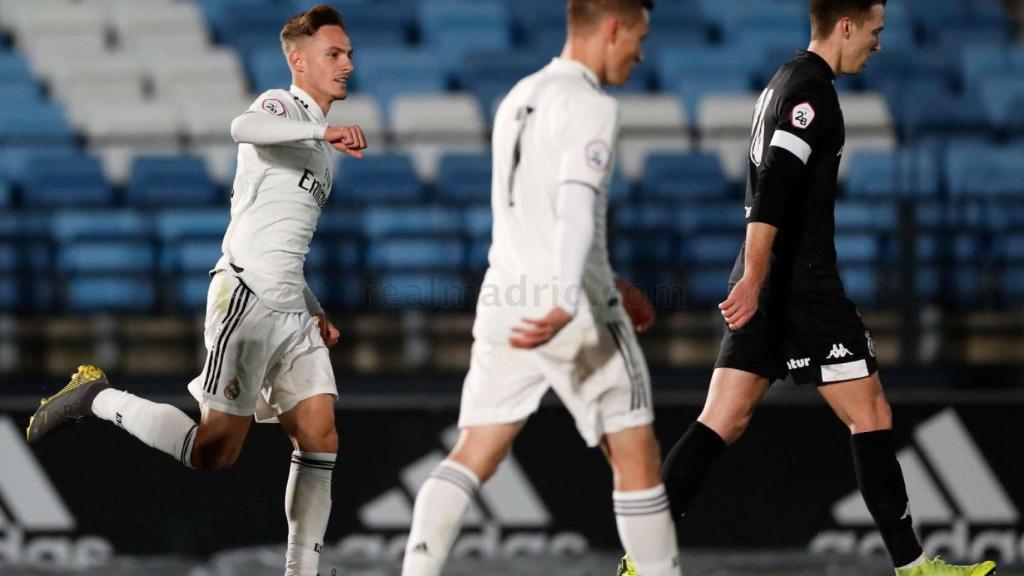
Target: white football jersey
(555, 126)
(276, 200)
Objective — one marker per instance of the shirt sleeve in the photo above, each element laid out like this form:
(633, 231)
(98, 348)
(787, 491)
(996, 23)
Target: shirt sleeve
(803, 120)
(801, 126)
(590, 126)
(272, 119)
(574, 235)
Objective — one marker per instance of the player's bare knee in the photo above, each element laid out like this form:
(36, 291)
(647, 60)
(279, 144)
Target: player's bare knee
(213, 457)
(877, 416)
(483, 463)
(317, 439)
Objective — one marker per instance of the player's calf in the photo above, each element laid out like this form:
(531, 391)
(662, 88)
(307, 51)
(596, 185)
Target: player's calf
(641, 504)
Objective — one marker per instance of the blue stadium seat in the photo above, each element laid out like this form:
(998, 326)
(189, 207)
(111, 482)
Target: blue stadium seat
(386, 73)
(91, 257)
(234, 19)
(33, 257)
(268, 69)
(377, 179)
(6, 195)
(490, 74)
(23, 293)
(436, 290)
(1002, 97)
(943, 114)
(857, 249)
(476, 258)
(424, 253)
(984, 170)
(677, 176)
(74, 181)
(873, 216)
(710, 249)
(696, 215)
(533, 18)
(442, 18)
(955, 35)
(464, 177)
(650, 217)
(981, 61)
(176, 224)
(1012, 247)
(111, 293)
(477, 222)
(14, 69)
(411, 221)
(860, 284)
(1013, 285)
(370, 24)
(191, 292)
(706, 286)
(39, 124)
(192, 257)
(25, 225)
(907, 172)
(170, 181)
(340, 222)
(71, 225)
(638, 249)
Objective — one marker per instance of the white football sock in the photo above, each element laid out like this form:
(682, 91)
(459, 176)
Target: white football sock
(307, 504)
(159, 426)
(440, 507)
(646, 531)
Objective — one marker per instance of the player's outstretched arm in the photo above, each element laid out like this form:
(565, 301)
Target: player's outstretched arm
(263, 129)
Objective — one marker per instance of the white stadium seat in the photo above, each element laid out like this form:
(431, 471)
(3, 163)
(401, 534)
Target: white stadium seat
(170, 73)
(361, 110)
(145, 123)
(650, 124)
(454, 118)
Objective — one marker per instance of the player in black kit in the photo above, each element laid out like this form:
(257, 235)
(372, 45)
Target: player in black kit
(787, 311)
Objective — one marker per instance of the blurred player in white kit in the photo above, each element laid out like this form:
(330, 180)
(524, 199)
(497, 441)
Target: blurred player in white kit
(549, 314)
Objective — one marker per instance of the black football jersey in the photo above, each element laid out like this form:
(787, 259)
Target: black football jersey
(798, 115)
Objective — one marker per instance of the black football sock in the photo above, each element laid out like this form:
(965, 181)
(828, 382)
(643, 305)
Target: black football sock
(687, 465)
(881, 484)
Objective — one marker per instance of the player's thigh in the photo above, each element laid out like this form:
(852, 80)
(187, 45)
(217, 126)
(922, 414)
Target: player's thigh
(860, 404)
(732, 398)
(219, 438)
(242, 337)
(503, 386)
(482, 448)
(608, 387)
(310, 424)
(634, 457)
(303, 372)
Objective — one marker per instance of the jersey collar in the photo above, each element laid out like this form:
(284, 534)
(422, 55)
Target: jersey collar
(575, 66)
(820, 62)
(307, 102)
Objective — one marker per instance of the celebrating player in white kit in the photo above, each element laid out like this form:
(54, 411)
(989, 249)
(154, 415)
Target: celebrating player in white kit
(266, 334)
(549, 314)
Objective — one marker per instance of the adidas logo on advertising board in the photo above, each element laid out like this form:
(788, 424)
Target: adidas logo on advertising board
(508, 518)
(36, 528)
(956, 501)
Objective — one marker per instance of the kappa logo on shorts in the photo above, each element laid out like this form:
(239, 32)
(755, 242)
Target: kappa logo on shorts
(951, 486)
(795, 363)
(838, 351)
(232, 390)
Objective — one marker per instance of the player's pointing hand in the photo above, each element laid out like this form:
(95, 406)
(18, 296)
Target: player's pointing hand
(348, 140)
(535, 332)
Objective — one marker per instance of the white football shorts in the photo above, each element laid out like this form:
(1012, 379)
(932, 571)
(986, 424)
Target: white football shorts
(598, 371)
(259, 362)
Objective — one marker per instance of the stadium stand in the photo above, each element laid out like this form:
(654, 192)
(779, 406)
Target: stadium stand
(116, 160)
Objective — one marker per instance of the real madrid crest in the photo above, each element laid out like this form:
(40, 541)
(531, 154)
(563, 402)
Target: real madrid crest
(232, 390)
